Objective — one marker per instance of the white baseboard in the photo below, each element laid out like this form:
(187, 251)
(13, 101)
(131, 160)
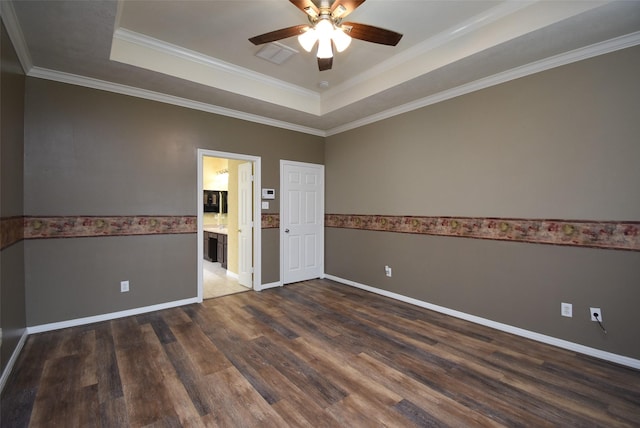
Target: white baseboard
(270, 285)
(14, 357)
(232, 274)
(560, 343)
(110, 316)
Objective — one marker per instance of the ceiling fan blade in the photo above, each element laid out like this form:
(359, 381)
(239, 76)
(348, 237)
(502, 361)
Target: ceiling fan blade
(325, 63)
(348, 6)
(283, 33)
(306, 6)
(372, 34)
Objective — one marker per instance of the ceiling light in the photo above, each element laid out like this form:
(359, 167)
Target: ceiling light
(324, 28)
(308, 39)
(324, 33)
(341, 39)
(324, 48)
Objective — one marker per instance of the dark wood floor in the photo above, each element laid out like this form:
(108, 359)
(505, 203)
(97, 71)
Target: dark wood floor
(314, 354)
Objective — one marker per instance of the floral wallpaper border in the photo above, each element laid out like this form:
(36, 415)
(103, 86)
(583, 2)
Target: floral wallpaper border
(15, 229)
(271, 221)
(618, 235)
(87, 226)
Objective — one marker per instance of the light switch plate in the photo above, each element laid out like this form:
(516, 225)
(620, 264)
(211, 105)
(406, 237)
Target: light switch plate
(265, 205)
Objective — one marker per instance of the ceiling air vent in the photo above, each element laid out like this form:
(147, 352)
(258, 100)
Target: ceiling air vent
(276, 53)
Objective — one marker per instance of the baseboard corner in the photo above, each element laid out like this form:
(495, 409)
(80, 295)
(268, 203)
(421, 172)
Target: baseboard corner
(12, 360)
(270, 285)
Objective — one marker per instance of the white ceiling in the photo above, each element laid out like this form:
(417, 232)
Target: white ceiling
(197, 53)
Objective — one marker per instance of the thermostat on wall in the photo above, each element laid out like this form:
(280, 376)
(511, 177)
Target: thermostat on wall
(268, 193)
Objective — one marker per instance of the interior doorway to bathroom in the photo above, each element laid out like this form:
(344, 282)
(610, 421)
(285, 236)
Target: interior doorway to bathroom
(228, 223)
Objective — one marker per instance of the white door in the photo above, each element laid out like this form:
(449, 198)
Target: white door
(245, 224)
(301, 221)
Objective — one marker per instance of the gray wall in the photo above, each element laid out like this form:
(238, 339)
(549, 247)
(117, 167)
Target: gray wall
(12, 283)
(90, 152)
(558, 144)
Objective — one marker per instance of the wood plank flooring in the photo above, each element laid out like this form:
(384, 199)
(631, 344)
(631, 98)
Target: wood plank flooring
(312, 354)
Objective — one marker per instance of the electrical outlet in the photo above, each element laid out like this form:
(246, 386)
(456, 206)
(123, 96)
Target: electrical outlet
(566, 309)
(124, 286)
(387, 271)
(593, 311)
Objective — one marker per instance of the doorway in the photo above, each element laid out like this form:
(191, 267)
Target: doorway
(219, 251)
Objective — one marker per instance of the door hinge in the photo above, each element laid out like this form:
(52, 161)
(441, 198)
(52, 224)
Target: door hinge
(251, 270)
(251, 178)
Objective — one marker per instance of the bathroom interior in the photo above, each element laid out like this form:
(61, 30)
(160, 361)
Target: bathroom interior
(220, 216)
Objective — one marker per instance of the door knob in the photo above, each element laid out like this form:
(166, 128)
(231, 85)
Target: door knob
(286, 231)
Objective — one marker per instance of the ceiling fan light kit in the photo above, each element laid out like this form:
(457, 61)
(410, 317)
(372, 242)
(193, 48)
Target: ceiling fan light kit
(325, 18)
(324, 48)
(308, 39)
(324, 33)
(340, 39)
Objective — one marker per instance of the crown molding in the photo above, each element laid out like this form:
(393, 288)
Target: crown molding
(88, 82)
(17, 38)
(197, 57)
(576, 55)
(466, 27)
(508, 20)
(597, 49)
(15, 34)
(147, 52)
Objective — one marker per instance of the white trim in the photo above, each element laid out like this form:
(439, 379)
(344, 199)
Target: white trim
(271, 285)
(560, 343)
(587, 52)
(232, 274)
(559, 60)
(214, 63)
(107, 317)
(257, 215)
(88, 82)
(12, 360)
(16, 35)
(424, 48)
(152, 54)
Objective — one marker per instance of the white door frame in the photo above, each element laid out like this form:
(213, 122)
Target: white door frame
(257, 217)
(321, 208)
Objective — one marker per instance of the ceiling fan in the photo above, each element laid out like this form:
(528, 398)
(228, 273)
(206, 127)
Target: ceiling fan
(326, 27)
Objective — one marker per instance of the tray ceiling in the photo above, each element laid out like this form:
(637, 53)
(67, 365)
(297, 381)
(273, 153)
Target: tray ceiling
(197, 53)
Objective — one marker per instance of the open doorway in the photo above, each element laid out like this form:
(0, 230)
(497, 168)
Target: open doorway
(228, 223)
